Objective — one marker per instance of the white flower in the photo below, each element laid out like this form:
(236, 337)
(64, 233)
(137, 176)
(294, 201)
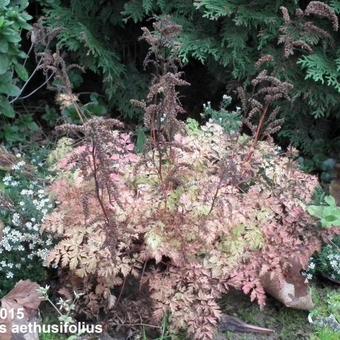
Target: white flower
(333, 263)
(7, 247)
(16, 219)
(18, 165)
(311, 265)
(28, 225)
(7, 179)
(9, 275)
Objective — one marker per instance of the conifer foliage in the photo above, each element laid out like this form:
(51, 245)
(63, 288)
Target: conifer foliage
(228, 37)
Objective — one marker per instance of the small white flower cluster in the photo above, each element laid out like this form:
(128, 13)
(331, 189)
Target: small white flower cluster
(22, 243)
(207, 106)
(311, 265)
(8, 180)
(19, 166)
(334, 261)
(309, 273)
(308, 276)
(37, 162)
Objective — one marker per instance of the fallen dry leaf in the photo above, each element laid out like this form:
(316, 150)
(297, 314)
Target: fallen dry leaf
(291, 290)
(23, 297)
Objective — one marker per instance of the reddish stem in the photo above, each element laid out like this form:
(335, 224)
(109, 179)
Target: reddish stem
(258, 132)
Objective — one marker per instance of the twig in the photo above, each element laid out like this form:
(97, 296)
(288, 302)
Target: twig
(38, 88)
(27, 81)
(121, 290)
(230, 323)
(28, 53)
(141, 278)
(258, 133)
(95, 176)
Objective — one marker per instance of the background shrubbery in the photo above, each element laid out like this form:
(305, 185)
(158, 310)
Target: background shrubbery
(220, 43)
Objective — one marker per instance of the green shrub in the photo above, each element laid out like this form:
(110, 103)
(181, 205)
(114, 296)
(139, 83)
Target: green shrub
(13, 21)
(94, 35)
(326, 317)
(228, 37)
(327, 263)
(328, 212)
(23, 205)
(231, 121)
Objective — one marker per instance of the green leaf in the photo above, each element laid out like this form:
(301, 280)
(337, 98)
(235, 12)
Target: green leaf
(24, 4)
(33, 126)
(6, 108)
(22, 54)
(330, 201)
(147, 5)
(4, 63)
(10, 90)
(21, 71)
(11, 35)
(315, 210)
(94, 98)
(76, 79)
(95, 109)
(141, 140)
(12, 136)
(330, 222)
(335, 4)
(4, 3)
(3, 46)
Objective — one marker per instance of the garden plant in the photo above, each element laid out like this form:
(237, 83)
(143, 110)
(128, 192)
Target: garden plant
(167, 168)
